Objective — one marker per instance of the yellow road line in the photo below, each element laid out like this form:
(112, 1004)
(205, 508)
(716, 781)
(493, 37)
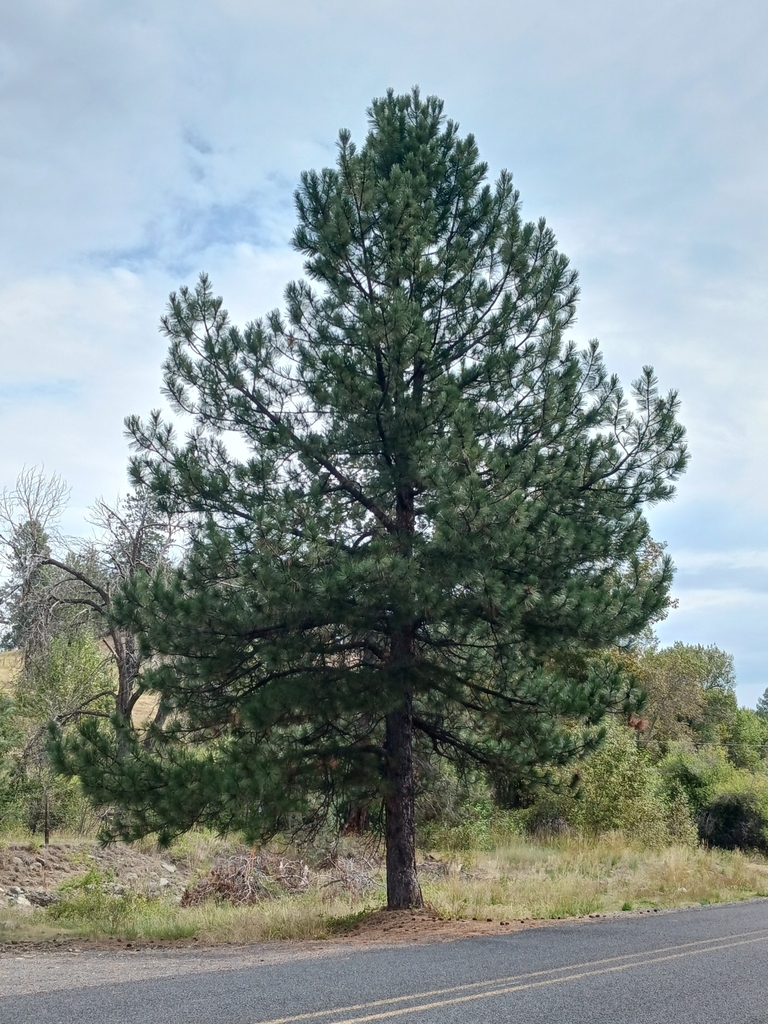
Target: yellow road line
(536, 984)
(712, 945)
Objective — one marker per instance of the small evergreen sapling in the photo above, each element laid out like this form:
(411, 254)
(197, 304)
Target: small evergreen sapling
(436, 523)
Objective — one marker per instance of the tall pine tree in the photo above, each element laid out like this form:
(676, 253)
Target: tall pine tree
(436, 526)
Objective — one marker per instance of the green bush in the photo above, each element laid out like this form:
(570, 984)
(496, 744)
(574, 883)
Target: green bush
(701, 775)
(747, 740)
(9, 736)
(620, 789)
(736, 821)
(95, 900)
(482, 827)
(551, 817)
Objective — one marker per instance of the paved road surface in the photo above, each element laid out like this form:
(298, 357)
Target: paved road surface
(705, 966)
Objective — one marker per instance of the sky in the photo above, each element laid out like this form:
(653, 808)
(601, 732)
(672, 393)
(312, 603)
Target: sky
(144, 142)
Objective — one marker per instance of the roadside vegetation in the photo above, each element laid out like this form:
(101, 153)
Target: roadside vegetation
(671, 811)
(521, 879)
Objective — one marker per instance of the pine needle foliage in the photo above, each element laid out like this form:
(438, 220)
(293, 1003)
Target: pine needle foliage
(437, 524)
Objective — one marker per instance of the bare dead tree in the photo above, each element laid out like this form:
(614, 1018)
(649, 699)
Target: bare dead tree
(29, 528)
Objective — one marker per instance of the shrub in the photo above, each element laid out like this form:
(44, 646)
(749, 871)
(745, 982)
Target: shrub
(95, 900)
(550, 818)
(620, 789)
(736, 821)
(700, 775)
(482, 828)
(747, 740)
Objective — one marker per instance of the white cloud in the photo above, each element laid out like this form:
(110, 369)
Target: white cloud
(755, 558)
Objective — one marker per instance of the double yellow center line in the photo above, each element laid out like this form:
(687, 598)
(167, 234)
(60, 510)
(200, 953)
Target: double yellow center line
(435, 999)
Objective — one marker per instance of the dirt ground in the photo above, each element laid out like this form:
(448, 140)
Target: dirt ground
(424, 925)
(382, 927)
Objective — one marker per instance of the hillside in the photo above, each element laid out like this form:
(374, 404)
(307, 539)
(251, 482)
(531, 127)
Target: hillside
(10, 663)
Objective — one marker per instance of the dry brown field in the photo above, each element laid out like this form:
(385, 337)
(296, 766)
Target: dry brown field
(10, 663)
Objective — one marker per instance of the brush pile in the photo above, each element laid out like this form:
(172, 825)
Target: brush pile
(349, 874)
(246, 880)
(243, 880)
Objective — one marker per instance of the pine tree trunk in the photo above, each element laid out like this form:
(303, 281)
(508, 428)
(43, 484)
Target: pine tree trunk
(403, 890)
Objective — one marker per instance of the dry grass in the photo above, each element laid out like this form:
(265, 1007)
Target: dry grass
(309, 916)
(10, 665)
(520, 880)
(570, 878)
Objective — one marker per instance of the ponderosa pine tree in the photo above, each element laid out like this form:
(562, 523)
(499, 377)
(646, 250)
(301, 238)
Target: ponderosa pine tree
(436, 526)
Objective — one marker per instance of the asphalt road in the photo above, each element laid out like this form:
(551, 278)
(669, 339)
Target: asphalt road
(705, 965)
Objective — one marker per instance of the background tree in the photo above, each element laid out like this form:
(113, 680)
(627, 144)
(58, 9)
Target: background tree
(29, 526)
(437, 523)
(747, 740)
(56, 603)
(59, 589)
(9, 738)
(690, 694)
(67, 680)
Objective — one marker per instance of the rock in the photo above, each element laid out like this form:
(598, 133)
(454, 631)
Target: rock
(22, 901)
(17, 861)
(164, 882)
(41, 898)
(131, 877)
(168, 867)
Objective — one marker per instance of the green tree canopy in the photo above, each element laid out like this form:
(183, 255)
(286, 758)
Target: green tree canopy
(433, 522)
(690, 694)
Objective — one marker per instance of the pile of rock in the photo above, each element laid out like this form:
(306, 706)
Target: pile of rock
(32, 876)
(25, 899)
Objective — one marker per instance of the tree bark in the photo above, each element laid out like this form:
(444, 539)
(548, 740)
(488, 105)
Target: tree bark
(357, 819)
(403, 890)
(127, 658)
(46, 819)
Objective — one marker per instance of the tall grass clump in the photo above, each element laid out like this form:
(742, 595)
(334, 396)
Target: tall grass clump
(572, 876)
